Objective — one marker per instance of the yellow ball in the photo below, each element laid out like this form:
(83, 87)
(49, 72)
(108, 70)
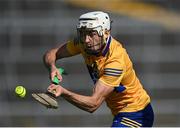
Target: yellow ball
(20, 91)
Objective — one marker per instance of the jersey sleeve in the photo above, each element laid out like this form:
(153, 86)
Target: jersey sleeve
(73, 47)
(114, 71)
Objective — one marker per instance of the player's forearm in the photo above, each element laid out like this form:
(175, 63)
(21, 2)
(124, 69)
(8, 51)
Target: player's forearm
(87, 103)
(52, 55)
(50, 58)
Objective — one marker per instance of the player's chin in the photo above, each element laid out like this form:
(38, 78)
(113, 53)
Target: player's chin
(93, 48)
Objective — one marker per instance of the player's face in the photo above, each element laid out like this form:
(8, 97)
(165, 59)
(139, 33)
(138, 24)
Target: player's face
(92, 41)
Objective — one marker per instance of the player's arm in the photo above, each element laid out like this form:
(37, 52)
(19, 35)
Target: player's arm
(65, 50)
(87, 103)
(54, 54)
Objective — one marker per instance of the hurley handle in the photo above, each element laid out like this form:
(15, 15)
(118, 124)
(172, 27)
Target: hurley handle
(56, 80)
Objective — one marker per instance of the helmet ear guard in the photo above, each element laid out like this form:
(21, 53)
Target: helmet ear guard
(100, 31)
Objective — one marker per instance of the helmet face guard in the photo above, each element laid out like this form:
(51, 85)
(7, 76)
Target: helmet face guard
(95, 48)
(83, 31)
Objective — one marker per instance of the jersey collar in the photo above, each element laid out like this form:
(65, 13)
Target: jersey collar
(105, 50)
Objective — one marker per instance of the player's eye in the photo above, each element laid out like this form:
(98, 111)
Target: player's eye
(92, 33)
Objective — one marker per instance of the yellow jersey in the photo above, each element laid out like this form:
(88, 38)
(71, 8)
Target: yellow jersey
(114, 68)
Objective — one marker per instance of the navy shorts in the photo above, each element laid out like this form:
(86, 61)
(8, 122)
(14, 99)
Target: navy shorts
(143, 118)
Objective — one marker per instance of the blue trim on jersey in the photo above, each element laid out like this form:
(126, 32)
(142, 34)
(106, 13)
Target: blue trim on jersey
(111, 74)
(143, 118)
(107, 46)
(120, 88)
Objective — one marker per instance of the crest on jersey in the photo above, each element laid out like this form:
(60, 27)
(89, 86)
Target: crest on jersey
(93, 71)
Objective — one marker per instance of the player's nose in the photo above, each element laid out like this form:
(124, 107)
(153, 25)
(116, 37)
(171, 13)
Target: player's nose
(87, 39)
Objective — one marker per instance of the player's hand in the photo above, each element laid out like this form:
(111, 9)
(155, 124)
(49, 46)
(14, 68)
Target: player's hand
(55, 89)
(55, 72)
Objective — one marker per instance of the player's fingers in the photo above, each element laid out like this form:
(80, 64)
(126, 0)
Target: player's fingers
(53, 74)
(59, 76)
(58, 91)
(51, 87)
(54, 89)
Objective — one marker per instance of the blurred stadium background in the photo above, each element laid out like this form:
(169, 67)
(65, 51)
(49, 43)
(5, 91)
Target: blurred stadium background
(149, 30)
